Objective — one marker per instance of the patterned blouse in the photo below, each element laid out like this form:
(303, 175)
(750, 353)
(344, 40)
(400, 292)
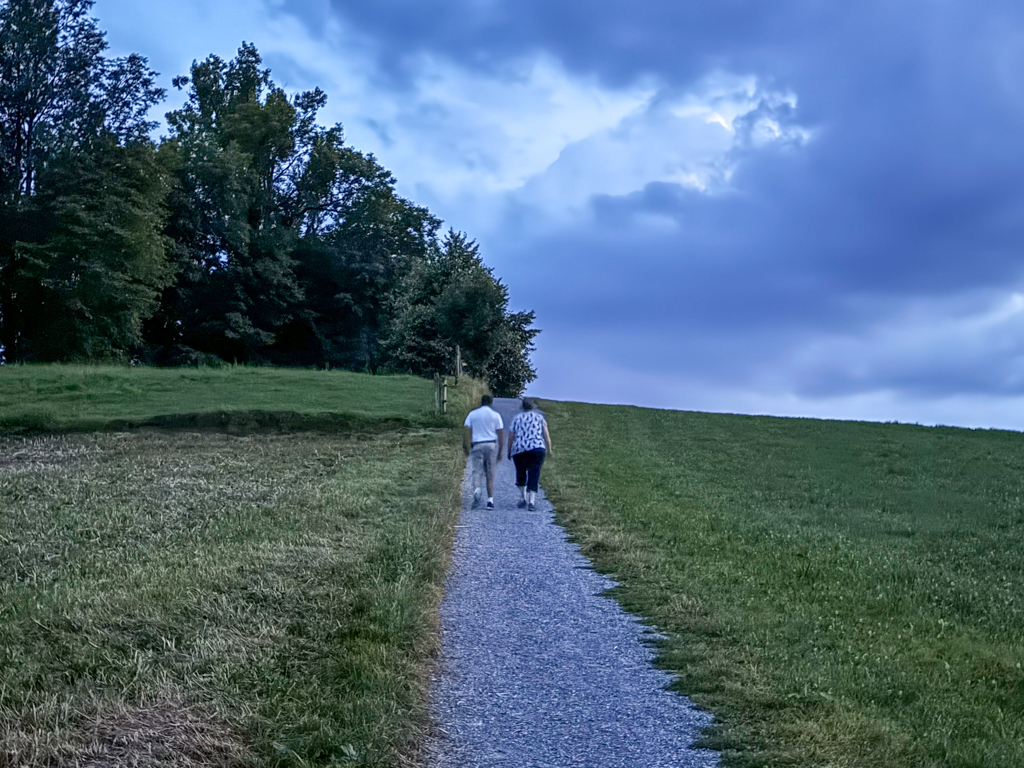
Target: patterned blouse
(528, 427)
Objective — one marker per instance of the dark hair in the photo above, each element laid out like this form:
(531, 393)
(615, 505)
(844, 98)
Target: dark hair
(528, 404)
(486, 400)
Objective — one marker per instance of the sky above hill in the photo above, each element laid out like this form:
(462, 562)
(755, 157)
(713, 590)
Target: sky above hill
(795, 207)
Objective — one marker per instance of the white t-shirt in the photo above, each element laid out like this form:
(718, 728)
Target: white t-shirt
(485, 422)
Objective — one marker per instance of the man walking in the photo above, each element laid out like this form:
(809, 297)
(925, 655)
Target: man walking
(482, 440)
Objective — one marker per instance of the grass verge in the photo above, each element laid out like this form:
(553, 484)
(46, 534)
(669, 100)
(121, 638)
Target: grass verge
(181, 599)
(837, 593)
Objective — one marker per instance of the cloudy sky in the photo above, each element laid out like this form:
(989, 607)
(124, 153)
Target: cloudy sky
(796, 207)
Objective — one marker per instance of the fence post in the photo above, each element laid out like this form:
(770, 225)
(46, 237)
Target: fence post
(444, 394)
(458, 364)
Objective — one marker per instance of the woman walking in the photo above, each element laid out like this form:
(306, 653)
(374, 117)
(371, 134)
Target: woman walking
(528, 444)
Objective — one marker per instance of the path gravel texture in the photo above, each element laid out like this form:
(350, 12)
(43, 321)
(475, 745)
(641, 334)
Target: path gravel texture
(539, 670)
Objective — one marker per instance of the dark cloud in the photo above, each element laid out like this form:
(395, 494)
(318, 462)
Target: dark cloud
(912, 187)
(616, 40)
(745, 278)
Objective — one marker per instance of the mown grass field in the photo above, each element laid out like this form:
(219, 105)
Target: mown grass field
(91, 397)
(193, 597)
(837, 593)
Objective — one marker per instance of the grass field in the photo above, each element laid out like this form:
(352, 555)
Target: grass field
(836, 593)
(181, 597)
(83, 398)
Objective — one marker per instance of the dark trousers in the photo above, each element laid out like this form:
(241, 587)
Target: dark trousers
(528, 468)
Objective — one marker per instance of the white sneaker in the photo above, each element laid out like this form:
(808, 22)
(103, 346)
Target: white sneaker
(477, 493)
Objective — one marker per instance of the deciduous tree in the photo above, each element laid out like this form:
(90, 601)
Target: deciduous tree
(96, 271)
(288, 239)
(65, 108)
(452, 298)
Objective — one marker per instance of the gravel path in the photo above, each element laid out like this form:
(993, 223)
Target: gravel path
(538, 669)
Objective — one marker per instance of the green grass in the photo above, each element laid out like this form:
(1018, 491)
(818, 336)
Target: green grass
(233, 600)
(83, 398)
(837, 593)
(226, 596)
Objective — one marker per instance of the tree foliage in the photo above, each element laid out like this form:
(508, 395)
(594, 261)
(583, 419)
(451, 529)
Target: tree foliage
(251, 233)
(288, 240)
(97, 270)
(452, 298)
(81, 194)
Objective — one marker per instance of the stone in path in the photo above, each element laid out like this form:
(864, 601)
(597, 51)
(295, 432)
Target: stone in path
(538, 669)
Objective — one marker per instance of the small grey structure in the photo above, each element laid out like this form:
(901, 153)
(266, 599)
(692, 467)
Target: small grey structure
(539, 670)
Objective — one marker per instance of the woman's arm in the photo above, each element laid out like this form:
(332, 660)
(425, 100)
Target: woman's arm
(511, 437)
(547, 437)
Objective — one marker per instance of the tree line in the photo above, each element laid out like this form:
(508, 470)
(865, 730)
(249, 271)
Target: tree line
(251, 233)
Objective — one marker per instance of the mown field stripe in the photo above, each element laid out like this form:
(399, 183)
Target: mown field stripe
(55, 398)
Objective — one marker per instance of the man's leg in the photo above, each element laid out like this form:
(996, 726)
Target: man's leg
(476, 466)
(490, 461)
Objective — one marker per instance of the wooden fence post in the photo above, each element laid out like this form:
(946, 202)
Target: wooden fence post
(458, 364)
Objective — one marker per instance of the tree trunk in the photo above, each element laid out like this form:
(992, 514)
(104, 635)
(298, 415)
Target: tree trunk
(8, 325)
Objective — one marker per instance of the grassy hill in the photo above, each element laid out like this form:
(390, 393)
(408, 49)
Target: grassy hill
(836, 593)
(259, 585)
(220, 597)
(87, 397)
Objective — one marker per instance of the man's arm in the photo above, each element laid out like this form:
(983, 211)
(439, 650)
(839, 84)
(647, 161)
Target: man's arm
(467, 439)
(501, 442)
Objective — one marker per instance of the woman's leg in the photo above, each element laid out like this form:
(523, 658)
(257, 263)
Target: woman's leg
(533, 473)
(521, 461)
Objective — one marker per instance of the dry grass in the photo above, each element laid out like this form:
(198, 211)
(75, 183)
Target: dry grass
(164, 734)
(167, 734)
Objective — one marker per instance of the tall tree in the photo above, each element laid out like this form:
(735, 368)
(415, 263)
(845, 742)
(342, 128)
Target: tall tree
(97, 271)
(452, 298)
(509, 370)
(287, 237)
(59, 96)
(51, 67)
